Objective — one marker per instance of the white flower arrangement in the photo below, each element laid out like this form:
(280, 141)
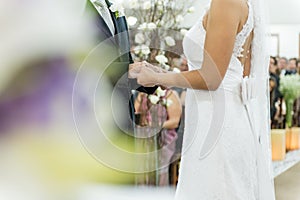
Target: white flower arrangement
(147, 26)
(160, 97)
(160, 22)
(131, 4)
(153, 99)
(147, 5)
(151, 26)
(131, 20)
(183, 31)
(118, 9)
(161, 59)
(139, 38)
(145, 50)
(179, 18)
(142, 50)
(160, 92)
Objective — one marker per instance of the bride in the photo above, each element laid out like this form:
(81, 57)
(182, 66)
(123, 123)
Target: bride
(226, 152)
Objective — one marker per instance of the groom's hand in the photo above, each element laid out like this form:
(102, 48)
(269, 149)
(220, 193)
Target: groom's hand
(134, 69)
(142, 73)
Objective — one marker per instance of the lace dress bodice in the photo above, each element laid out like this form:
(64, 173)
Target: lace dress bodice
(195, 38)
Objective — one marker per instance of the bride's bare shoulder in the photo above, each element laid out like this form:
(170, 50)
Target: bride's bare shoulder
(229, 5)
(230, 2)
(236, 9)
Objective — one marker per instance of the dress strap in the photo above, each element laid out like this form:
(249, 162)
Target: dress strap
(244, 33)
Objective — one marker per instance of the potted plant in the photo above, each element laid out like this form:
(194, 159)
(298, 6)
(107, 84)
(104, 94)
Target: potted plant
(290, 89)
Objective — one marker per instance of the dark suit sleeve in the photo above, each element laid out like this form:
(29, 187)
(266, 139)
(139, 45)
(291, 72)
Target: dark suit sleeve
(149, 90)
(133, 82)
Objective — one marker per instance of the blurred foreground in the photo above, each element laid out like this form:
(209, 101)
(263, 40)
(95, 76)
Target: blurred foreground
(43, 44)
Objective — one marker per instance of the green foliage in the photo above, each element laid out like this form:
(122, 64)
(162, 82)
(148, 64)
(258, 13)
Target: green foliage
(290, 89)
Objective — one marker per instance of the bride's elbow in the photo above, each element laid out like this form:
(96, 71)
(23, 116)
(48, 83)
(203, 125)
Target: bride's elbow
(211, 79)
(210, 86)
(205, 80)
(213, 86)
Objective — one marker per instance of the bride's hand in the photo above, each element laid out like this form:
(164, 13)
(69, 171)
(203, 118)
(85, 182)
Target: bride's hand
(154, 68)
(145, 75)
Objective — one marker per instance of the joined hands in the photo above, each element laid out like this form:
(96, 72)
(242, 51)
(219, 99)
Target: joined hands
(145, 73)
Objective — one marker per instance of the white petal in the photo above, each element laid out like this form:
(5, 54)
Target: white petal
(160, 92)
(191, 9)
(139, 38)
(179, 18)
(151, 26)
(161, 59)
(183, 31)
(147, 5)
(167, 67)
(153, 99)
(137, 49)
(170, 41)
(145, 49)
(176, 70)
(131, 20)
(143, 26)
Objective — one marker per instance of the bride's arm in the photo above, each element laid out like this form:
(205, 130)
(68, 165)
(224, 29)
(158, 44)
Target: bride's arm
(221, 29)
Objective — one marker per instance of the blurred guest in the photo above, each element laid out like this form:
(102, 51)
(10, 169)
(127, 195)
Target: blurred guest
(296, 116)
(274, 89)
(273, 69)
(168, 135)
(175, 63)
(273, 101)
(183, 66)
(292, 66)
(183, 63)
(298, 66)
(282, 65)
(296, 113)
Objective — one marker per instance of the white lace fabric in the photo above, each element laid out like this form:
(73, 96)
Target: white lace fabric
(244, 33)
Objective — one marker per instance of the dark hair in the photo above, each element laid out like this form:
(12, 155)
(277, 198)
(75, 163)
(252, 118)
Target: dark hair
(274, 59)
(284, 58)
(295, 59)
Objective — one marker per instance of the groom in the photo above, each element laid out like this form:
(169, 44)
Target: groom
(111, 27)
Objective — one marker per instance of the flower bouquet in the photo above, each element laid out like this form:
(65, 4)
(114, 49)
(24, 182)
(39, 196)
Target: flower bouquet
(156, 26)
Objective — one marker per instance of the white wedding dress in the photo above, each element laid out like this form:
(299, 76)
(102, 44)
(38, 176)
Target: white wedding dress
(228, 171)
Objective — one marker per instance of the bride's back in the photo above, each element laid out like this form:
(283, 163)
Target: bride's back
(245, 55)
